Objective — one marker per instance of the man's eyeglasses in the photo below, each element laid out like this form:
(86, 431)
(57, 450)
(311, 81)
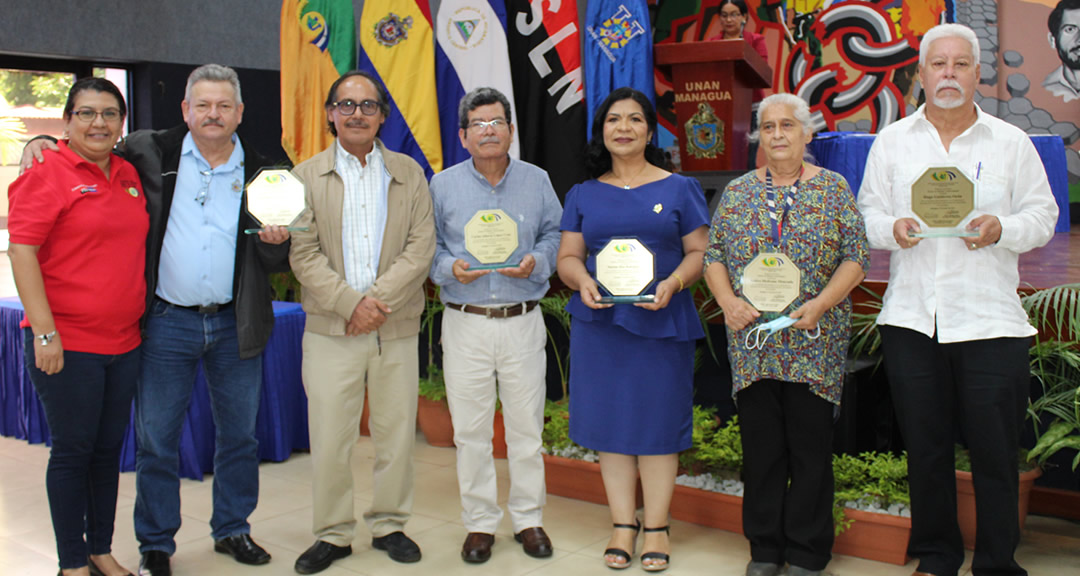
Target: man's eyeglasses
(347, 107)
(498, 124)
(89, 114)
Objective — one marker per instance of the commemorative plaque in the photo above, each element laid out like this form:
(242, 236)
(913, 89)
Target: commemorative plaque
(275, 198)
(491, 236)
(625, 267)
(770, 282)
(942, 198)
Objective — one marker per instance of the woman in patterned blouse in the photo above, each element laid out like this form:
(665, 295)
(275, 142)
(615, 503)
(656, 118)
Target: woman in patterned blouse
(787, 245)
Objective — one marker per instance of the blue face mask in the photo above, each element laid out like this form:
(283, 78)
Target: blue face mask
(772, 327)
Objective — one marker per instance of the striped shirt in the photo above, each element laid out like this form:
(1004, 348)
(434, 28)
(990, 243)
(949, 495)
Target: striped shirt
(363, 215)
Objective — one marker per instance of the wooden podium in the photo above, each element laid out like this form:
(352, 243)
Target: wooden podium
(714, 83)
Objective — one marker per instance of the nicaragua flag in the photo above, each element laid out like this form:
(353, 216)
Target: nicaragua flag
(317, 39)
(471, 53)
(544, 43)
(398, 47)
(618, 51)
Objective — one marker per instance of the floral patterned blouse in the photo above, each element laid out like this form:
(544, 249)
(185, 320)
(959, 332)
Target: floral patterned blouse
(822, 229)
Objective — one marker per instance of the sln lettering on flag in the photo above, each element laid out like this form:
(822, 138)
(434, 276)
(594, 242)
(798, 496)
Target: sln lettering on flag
(544, 44)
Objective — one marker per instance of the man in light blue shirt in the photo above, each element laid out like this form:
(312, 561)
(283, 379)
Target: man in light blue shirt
(492, 329)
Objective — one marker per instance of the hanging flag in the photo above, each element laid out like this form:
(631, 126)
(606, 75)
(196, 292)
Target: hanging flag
(317, 40)
(471, 53)
(398, 47)
(618, 51)
(545, 45)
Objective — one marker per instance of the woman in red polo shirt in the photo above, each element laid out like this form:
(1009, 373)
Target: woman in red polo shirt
(78, 227)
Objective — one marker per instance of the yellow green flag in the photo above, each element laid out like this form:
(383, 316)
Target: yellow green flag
(318, 44)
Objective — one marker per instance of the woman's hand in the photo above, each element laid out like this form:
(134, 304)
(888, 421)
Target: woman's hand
(665, 289)
(738, 313)
(590, 294)
(49, 358)
(809, 314)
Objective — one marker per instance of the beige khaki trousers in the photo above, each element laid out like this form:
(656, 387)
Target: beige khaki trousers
(336, 370)
(477, 352)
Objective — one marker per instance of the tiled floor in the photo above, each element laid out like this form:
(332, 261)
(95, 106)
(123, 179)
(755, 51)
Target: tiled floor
(282, 524)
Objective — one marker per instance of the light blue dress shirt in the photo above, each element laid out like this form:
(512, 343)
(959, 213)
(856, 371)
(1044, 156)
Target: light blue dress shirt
(198, 255)
(526, 195)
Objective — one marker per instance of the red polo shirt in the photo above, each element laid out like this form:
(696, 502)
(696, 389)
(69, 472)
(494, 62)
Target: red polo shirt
(92, 236)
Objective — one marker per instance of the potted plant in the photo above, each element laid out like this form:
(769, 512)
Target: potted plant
(871, 494)
(965, 492)
(1055, 365)
(870, 509)
(433, 413)
(570, 470)
(709, 492)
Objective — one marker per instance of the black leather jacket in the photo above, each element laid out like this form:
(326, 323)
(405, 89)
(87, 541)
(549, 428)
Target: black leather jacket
(156, 156)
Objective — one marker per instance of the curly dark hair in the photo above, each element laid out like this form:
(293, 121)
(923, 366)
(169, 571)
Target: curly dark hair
(597, 157)
(1054, 21)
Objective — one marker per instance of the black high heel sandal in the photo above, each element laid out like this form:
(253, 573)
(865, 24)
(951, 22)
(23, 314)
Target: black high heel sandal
(626, 557)
(656, 555)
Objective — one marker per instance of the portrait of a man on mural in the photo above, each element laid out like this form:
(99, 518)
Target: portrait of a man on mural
(1064, 36)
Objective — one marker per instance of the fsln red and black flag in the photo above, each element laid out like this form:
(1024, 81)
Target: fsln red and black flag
(545, 50)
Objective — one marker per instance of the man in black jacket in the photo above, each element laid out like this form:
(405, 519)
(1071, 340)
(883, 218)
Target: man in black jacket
(209, 300)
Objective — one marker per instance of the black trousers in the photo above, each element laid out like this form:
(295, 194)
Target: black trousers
(787, 436)
(981, 386)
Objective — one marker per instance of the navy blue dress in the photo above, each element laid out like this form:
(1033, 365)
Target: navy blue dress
(632, 369)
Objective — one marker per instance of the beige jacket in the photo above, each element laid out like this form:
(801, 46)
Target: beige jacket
(408, 246)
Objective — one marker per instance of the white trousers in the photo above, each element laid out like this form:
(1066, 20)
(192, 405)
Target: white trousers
(477, 352)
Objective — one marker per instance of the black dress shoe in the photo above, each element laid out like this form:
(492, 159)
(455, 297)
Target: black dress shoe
(477, 547)
(155, 563)
(320, 556)
(243, 549)
(535, 542)
(400, 547)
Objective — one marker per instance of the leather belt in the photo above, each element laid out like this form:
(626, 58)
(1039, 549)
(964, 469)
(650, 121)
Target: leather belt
(495, 312)
(208, 309)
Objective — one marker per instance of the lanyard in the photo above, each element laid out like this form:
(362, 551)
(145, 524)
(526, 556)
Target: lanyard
(786, 204)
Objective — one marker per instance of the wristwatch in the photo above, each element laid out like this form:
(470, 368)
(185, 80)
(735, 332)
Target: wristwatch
(45, 339)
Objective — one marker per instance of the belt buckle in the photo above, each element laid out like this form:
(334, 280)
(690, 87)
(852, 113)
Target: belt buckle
(487, 313)
(211, 309)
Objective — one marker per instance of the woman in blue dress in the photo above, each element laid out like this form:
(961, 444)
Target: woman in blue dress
(632, 365)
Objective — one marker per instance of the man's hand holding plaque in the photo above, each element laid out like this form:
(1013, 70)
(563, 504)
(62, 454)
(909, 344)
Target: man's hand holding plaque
(275, 198)
(625, 267)
(491, 236)
(942, 198)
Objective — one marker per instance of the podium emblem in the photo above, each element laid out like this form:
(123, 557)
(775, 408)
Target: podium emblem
(705, 133)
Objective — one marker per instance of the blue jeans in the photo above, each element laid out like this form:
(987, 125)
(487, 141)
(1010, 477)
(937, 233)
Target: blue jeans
(176, 339)
(87, 406)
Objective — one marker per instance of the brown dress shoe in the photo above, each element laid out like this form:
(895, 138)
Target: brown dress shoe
(477, 547)
(535, 542)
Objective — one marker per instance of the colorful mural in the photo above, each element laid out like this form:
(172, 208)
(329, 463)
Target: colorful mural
(855, 61)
